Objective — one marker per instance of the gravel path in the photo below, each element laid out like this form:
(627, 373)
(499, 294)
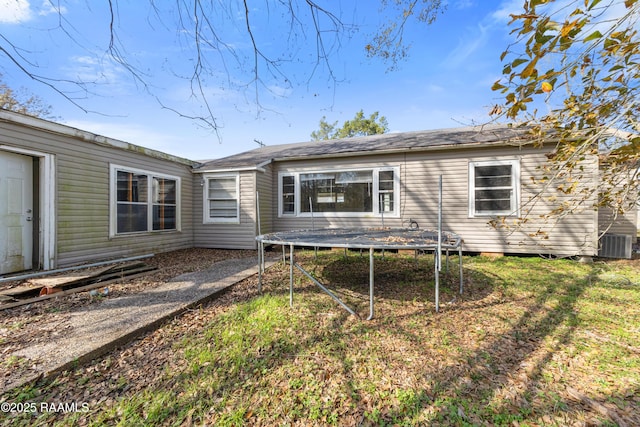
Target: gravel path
(50, 336)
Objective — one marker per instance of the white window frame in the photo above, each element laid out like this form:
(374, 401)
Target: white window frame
(376, 193)
(514, 209)
(205, 199)
(113, 200)
(281, 211)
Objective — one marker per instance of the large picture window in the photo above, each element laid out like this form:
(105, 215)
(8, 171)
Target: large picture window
(358, 192)
(222, 198)
(143, 201)
(493, 188)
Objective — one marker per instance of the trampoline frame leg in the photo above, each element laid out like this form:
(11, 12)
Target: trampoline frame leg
(293, 264)
(371, 284)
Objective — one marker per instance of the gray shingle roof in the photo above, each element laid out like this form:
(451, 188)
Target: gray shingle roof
(385, 143)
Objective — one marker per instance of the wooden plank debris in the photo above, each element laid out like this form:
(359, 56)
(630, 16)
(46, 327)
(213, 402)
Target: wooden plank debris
(6, 298)
(17, 291)
(44, 288)
(68, 279)
(72, 291)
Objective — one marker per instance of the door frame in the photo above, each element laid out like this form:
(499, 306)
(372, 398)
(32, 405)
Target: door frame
(47, 199)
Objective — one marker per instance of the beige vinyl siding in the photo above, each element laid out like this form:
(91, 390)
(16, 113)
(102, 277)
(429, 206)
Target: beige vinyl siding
(227, 235)
(419, 174)
(82, 196)
(267, 198)
(625, 223)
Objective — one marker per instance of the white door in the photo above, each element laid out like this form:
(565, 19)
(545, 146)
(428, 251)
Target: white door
(16, 212)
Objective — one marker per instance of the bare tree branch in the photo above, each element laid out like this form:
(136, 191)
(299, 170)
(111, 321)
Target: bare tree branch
(213, 45)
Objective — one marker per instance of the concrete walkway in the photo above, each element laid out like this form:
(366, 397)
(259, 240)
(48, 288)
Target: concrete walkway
(102, 327)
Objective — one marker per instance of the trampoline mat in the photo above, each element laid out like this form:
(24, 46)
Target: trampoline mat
(364, 238)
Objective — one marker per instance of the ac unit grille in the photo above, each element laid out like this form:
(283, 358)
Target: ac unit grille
(615, 246)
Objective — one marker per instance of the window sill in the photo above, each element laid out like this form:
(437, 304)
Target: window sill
(338, 215)
(142, 233)
(495, 214)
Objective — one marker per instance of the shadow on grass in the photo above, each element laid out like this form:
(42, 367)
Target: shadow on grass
(525, 351)
(399, 278)
(497, 381)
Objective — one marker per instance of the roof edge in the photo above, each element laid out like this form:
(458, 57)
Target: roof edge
(410, 149)
(69, 131)
(259, 167)
(238, 169)
(279, 156)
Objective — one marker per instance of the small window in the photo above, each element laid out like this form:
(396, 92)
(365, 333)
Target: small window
(143, 201)
(164, 204)
(386, 186)
(288, 195)
(221, 199)
(132, 202)
(493, 188)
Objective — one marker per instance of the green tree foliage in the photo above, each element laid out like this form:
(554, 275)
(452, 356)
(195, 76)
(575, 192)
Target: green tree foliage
(22, 102)
(327, 130)
(573, 73)
(359, 126)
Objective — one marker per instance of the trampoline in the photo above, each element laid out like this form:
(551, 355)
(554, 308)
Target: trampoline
(363, 238)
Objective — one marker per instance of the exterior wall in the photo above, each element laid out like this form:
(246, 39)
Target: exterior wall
(82, 174)
(622, 223)
(626, 223)
(268, 198)
(227, 236)
(618, 231)
(575, 234)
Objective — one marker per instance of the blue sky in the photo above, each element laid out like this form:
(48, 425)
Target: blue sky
(444, 83)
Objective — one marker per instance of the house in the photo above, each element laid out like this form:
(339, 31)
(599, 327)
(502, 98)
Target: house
(490, 174)
(69, 196)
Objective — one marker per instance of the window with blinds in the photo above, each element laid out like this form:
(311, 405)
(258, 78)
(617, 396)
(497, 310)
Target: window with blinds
(493, 188)
(222, 199)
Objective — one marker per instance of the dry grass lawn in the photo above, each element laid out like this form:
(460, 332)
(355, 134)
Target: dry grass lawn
(530, 342)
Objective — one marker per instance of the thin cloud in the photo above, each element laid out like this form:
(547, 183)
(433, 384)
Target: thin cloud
(20, 11)
(474, 41)
(48, 8)
(89, 69)
(502, 15)
(476, 38)
(15, 11)
(434, 88)
(463, 4)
